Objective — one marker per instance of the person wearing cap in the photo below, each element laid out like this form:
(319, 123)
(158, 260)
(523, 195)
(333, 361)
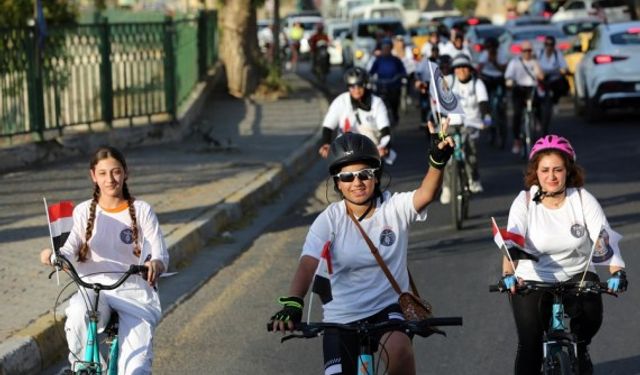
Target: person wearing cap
(358, 110)
(389, 72)
(491, 68)
(522, 76)
(559, 221)
(360, 290)
(474, 101)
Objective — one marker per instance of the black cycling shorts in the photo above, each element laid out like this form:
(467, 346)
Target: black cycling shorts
(341, 349)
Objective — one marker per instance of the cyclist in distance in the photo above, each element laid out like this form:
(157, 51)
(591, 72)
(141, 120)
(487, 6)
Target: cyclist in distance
(475, 104)
(554, 67)
(318, 36)
(559, 221)
(110, 232)
(357, 110)
(522, 76)
(491, 68)
(434, 41)
(359, 288)
(389, 71)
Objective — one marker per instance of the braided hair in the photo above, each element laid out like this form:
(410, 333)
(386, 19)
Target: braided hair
(102, 153)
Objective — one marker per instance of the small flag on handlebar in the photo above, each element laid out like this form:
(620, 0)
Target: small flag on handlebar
(322, 278)
(60, 222)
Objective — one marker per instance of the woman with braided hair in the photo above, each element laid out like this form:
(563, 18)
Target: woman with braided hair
(110, 232)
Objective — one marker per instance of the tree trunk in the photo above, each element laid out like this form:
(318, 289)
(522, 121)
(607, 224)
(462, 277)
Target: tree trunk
(239, 46)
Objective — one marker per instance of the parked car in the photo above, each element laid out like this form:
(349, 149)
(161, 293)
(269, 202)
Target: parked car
(608, 74)
(420, 33)
(438, 15)
(612, 10)
(463, 23)
(512, 39)
(365, 33)
(476, 35)
(540, 8)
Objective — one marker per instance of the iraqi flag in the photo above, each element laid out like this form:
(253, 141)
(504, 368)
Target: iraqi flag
(512, 244)
(60, 217)
(322, 278)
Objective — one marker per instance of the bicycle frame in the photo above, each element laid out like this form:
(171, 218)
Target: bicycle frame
(528, 122)
(459, 181)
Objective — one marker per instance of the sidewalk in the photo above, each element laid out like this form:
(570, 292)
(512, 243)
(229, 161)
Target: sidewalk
(242, 152)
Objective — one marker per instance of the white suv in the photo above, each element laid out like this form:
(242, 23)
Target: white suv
(608, 74)
(614, 10)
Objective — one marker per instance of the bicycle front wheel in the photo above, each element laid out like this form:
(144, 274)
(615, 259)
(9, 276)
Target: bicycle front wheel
(559, 363)
(527, 133)
(458, 198)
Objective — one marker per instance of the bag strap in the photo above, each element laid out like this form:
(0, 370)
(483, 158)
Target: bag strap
(376, 254)
(527, 70)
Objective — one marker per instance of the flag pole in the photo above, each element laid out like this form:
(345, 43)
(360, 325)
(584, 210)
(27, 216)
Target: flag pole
(593, 248)
(53, 247)
(503, 245)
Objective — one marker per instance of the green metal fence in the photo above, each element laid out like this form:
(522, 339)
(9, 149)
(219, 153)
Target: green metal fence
(98, 73)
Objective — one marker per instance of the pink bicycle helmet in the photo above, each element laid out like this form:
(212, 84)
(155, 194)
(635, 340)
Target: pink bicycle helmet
(553, 142)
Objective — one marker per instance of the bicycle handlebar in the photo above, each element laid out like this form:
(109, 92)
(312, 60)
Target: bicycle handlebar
(64, 263)
(421, 328)
(559, 287)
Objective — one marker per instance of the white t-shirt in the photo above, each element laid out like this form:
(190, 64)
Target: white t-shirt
(517, 73)
(488, 68)
(358, 284)
(342, 115)
(111, 244)
(469, 97)
(452, 51)
(427, 47)
(557, 236)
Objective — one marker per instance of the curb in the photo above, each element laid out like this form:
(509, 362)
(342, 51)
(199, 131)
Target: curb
(41, 345)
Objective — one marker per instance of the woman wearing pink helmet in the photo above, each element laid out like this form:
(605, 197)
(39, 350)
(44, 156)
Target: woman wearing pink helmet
(558, 220)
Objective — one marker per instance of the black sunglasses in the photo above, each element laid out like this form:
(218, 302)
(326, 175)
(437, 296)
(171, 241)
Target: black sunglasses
(359, 85)
(363, 175)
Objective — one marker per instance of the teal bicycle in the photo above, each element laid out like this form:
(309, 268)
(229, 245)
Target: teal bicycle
(559, 344)
(459, 180)
(91, 363)
(366, 364)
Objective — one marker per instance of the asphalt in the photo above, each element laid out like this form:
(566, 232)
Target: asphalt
(236, 154)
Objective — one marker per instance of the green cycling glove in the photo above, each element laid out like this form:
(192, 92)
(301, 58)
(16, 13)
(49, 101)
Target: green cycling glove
(291, 311)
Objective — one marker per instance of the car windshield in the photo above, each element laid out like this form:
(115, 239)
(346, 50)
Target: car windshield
(534, 34)
(579, 27)
(629, 37)
(608, 4)
(338, 31)
(371, 30)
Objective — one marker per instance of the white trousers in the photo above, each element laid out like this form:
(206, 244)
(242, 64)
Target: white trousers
(137, 321)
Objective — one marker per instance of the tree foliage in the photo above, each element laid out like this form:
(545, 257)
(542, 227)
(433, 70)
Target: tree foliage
(14, 13)
(467, 7)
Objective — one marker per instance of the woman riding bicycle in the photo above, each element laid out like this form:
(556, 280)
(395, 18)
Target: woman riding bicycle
(110, 232)
(559, 221)
(360, 289)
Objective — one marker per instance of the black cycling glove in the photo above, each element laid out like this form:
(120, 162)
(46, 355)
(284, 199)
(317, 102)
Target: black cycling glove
(292, 310)
(438, 158)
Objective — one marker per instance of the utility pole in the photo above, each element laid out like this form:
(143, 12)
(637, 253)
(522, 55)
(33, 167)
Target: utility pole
(276, 35)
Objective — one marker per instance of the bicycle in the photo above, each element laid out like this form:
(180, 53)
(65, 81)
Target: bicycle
(459, 180)
(391, 94)
(528, 122)
(559, 345)
(365, 331)
(499, 126)
(91, 363)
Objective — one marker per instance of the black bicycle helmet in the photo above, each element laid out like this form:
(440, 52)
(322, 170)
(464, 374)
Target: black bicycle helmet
(350, 148)
(356, 76)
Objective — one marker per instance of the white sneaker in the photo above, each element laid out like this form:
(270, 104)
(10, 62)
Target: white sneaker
(476, 187)
(445, 196)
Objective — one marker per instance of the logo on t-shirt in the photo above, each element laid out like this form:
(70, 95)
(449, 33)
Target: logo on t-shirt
(126, 236)
(387, 237)
(577, 230)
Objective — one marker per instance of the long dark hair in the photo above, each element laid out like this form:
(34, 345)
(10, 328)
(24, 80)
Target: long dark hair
(105, 152)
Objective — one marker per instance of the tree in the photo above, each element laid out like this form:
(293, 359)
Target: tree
(239, 50)
(16, 13)
(467, 7)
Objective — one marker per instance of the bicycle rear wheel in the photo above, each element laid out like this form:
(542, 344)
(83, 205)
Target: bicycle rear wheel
(458, 197)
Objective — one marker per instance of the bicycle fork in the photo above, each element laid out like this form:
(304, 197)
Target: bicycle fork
(557, 337)
(365, 360)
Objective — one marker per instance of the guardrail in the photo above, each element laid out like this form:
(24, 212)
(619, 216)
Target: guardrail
(102, 72)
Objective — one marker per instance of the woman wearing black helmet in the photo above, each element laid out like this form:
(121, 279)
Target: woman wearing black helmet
(359, 288)
(358, 111)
